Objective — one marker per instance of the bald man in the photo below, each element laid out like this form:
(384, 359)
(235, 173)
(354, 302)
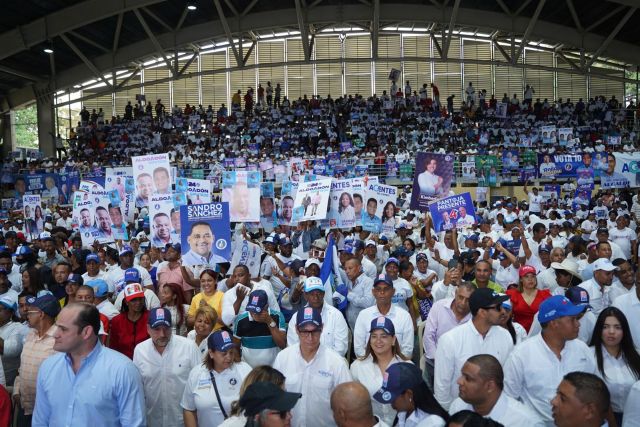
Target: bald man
(351, 406)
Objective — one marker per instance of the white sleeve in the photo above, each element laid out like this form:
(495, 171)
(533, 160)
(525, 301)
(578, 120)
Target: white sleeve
(292, 333)
(228, 313)
(360, 335)
(407, 339)
(632, 407)
(340, 335)
(443, 373)
(145, 278)
(513, 380)
(439, 290)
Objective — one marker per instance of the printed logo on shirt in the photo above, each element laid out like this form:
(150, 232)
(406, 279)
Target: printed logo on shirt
(325, 374)
(204, 383)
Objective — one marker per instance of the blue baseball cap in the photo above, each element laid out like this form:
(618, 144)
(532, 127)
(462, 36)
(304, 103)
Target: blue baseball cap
(100, 287)
(258, 301)
(313, 284)
(473, 237)
(309, 316)
(132, 275)
(398, 378)
(9, 303)
(174, 246)
(75, 278)
(383, 278)
(92, 257)
(23, 250)
(392, 260)
(160, 316)
(383, 323)
(220, 341)
(284, 241)
(556, 307)
(126, 250)
(46, 303)
(358, 244)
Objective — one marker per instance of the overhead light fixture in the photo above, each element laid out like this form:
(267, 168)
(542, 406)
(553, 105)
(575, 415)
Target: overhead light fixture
(48, 50)
(192, 6)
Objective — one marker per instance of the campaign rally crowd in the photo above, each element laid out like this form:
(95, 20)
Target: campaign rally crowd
(525, 313)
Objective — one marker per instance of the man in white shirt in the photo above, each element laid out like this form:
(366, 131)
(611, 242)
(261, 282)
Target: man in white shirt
(359, 286)
(536, 366)
(383, 293)
(164, 362)
(624, 237)
(583, 400)
(535, 200)
(335, 332)
(351, 406)
(313, 370)
(599, 286)
(482, 335)
(115, 276)
(92, 262)
(239, 286)
(629, 304)
(481, 390)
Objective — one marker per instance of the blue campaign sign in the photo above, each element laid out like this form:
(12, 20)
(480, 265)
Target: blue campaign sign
(569, 165)
(205, 233)
(453, 212)
(512, 246)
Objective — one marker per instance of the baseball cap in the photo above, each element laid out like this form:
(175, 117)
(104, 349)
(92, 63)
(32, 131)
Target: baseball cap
(126, 250)
(285, 241)
(258, 300)
(269, 239)
(603, 264)
(544, 248)
(296, 265)
(602, 230)
(383, 238)
(92, 257)
(313, 284)
(369, 243)
(44, 235)
(320, 243)
(383, 278)
(383, 323)
(100, 287)
(22, 250)
(398, 378)
(401, 251)
(75, 278)
(556, 307)
(485, 297)
(9, 303)
(473, 237)
(263, 395)
(312, 261)
(392, 260)
(578, 296)
(309, 316)
(46, 303)
(160, 316)
(131, 275)
(220, 341)
(421, 256)
(527, 269)
(174, 246)
(133, 291)
(358, 244)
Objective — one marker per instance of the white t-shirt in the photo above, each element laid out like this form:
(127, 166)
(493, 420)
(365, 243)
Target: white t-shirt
(535, 202)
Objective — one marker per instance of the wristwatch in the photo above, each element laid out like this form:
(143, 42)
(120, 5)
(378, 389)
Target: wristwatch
(272, 324)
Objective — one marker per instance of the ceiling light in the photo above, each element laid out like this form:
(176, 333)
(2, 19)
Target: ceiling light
(48, 50)
(192, 6)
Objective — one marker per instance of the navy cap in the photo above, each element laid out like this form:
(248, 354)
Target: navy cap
(358, 244)
(578, 296)
(401, 251)
(392, 260)
(309, 316)
(398, 378)
(383, 278)
(258, 301)
(473, 237)
(132, 275)
(421, 256)
(285, 241)
(174, 246)
(126, 250)
(263, 395)
(220, 341)
(556, 307)
(544, 248)
(46, 303)
(160, 316)
(485, 297)
(75, 278)
(92, 257)
(383, 323)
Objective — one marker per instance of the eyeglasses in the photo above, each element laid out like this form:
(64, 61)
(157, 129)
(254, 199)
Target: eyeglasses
(494, 307)
(283, 414)
(308, 334)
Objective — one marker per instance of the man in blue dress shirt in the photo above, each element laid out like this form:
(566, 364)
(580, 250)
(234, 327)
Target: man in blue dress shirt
(86, 383)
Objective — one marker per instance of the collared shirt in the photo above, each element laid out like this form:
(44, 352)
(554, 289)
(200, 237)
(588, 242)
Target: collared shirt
(192, 258)
(441, 319)
(164, 377)
(630, 306)
(618, 376)
(401, 321)
(115, 278)
(106, 391)
(229, 298)
(315, 380)
(34, 351)
(507, 411)
(359, 297)
(598, 296)
(335, 332)
(456, 346)
(13, 334)
(418, 418)
(617, 289)
(535, 384)
(632, 407)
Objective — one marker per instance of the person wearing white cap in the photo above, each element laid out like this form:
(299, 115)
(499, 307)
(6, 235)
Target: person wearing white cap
(599, 286)
(12, 335)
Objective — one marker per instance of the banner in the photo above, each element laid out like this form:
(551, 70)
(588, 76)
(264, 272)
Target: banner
(622, 172)
(487, 170)
(583, 198)
(453, 212)
(510, 162)
(432, 179)
(32, 211)
(241, 189)
(559, 165)
(152, 175)
(160, 208)
(205, 234)
(268, 214)
(548, 134)
(311, 200)
(249, 254)
(198, 191)
(378, 215)
(342, 212)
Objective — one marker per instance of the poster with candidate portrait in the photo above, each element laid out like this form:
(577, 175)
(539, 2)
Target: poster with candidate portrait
(565, 135)
(82, 217)
(623, 171)
(548, 134)
(103, 225)
(33, 217)
(510, 162)
(311, 200)
(487, 170)
(432, 179)
(268, 214)
(453, 212)
(152, 175)
(582, 198)
(342, 212)
(378, 213)
(559, 165)
(287, 195)
(205, 234)
(162, 232)
(249, 254)
(241, 189)
(69, 183)
(198, 191)
(115, 179)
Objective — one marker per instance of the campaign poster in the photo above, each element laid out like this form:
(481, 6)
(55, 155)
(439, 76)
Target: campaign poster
(585, 178)
(152, 175)
(582, 198)
(241, 189)
(69, 183)
(406, 172)
(453, 212)
(548, 134)
(487, 170)
(342, 211)
(432, 179)
(510, 162)
(103, 225)
(559, 165)
(311, 200)
(205, 232)
(198, 191)
(378, 214)
(565, 135)
(268, 214)
(551, 191)
(345, 147)
(287, 195)
(501, 110)
(33, 217)
(512, 245)
(614, 139)
(469, 170)
(83, 212)
(527, 172)
(481, 194)
(622, 172)
(296, 168)
(115, 179)
(392, 168)
(249, 254)
(162, 233)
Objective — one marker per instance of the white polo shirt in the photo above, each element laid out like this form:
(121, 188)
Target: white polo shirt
(229, 298)
(401, 322)
(507, 411)
(533, 372)
(164, 377)
(316, 380)
(459, 344)
(598, 297)
(630, 305)
(335, 332)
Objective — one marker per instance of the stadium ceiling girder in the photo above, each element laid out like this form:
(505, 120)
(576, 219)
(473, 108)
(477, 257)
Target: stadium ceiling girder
(321, 15)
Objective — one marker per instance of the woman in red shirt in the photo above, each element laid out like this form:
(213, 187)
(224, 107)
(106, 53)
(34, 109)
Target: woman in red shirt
(128, 329)
(527, 298)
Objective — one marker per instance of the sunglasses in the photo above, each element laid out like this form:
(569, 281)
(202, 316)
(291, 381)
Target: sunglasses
(494, 307)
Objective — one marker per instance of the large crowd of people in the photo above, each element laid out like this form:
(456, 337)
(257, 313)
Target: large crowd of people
(528, 314)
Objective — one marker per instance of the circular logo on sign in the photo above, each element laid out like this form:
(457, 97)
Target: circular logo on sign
(221, 244)
(568, 167)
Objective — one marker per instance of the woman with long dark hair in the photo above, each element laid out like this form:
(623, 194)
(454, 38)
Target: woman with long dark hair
(616, 355)
(31, 281)
(408, 394)
(172, 297)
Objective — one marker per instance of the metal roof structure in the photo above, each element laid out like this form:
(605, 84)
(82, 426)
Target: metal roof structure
(95, 39)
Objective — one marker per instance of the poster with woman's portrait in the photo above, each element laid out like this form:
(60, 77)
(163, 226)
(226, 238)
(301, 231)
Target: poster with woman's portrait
(342, 212)
(33, 217)
(432, 180)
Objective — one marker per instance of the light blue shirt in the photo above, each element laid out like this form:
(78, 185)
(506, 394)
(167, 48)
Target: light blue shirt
(106, 391)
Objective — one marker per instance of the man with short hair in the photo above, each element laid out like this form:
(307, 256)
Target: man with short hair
(100, 298)
(104, 224)
(599, 286)
(164, 361)
(351, 406)
(92, 262)
(12, 335)
(161, 227)
(480, 390)
(312, 369)
(582, 400)
(556, 352)
(115, 276)
(624, 281)
(236, 298)
(144, 188)
(359, 290)
(482, 335)
(51, 255)
(74, 384)
(201, 240)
